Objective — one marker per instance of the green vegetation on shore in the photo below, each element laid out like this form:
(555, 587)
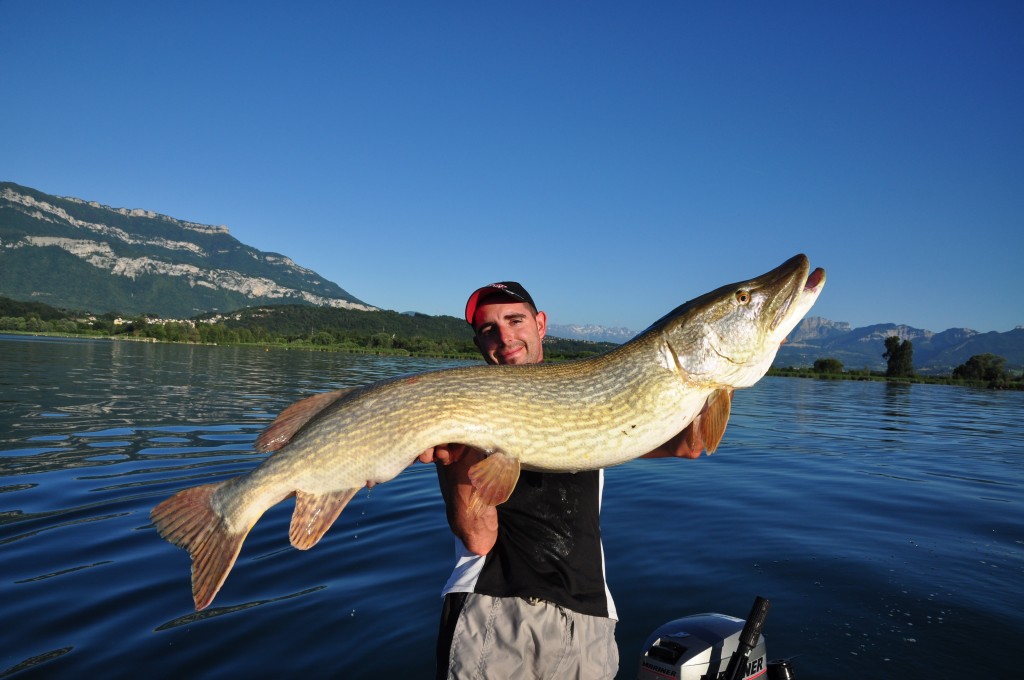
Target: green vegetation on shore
(985, 371)
(391, 333)
(286, 326)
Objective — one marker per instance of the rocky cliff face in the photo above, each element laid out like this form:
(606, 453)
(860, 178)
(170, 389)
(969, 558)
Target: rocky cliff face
(817, 328)
(816, 338)
(73, 253)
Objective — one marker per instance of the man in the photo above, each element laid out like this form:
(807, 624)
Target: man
(528, 597)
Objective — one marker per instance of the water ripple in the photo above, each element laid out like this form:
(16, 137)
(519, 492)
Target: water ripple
(884, 522)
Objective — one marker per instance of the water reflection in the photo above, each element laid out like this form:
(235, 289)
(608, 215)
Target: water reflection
(214, 612)
(884, 521)
(897, 405)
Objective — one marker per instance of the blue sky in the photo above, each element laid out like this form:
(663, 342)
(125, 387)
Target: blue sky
(616, 158)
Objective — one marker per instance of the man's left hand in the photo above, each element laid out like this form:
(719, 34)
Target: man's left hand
(686, 444)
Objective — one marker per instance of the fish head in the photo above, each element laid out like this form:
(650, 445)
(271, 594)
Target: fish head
(730, 336)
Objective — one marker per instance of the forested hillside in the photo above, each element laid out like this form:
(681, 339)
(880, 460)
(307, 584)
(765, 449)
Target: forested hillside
(299, 326)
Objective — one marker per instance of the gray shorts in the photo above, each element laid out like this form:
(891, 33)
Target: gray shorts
(510, 638)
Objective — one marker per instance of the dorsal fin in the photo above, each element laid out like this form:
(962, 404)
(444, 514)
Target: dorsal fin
(291, 420)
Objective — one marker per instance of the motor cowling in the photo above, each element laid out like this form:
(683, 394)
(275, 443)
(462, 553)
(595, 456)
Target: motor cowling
(700, 647)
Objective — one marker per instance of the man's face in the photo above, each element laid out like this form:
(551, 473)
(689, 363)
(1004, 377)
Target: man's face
(508, 332)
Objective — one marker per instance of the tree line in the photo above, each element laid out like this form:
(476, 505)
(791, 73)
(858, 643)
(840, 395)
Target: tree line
(292, 326)
(387, 332)
(985, 370)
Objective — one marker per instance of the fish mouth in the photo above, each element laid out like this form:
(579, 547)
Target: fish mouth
(788, 292)
(815, 280)
(793, 287)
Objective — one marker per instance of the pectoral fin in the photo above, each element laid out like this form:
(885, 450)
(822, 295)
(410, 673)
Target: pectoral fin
(293, 418)
(314, 514)
(493, 480)
(714, 417)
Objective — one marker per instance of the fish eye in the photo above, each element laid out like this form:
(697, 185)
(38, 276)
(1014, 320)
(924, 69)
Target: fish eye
(742, 297)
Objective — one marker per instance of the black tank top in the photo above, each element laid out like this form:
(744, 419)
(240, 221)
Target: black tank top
(549, 543)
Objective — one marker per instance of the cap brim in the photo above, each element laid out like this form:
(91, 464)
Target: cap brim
(508, 289)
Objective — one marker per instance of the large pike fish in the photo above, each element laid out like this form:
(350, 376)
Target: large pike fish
(675, 377)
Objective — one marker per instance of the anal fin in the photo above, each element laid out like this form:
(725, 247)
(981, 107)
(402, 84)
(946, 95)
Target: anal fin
(494, 478)
(314, 514)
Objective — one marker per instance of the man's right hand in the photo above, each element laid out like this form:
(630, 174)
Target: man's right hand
(445, 454)
(478, 530)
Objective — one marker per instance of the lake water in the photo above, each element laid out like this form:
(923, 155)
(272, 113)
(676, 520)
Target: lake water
(884, 522)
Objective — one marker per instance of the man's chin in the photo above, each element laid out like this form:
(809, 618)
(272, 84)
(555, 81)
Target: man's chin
(517, 357)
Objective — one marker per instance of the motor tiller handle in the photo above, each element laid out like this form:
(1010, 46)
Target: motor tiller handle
(748, 638)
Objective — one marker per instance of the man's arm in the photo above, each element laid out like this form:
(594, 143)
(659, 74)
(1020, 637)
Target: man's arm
(478, 530)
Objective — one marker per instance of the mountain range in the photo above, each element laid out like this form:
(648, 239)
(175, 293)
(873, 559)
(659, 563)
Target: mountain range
(67, 252)
(937, 353)
(818, 338)
(76, 254)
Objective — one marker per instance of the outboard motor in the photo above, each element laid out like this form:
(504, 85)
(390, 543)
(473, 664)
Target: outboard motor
(712, 647)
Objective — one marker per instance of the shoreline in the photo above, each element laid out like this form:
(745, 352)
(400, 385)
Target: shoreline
(1014, 384)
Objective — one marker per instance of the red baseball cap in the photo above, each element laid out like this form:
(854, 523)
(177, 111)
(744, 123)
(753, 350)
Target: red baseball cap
(510, 288)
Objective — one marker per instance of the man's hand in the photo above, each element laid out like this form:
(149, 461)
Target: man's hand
(478, 530)
(686, 444)
(445, 454)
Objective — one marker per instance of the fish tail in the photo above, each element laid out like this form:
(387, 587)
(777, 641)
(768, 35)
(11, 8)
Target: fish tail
(189, 520)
